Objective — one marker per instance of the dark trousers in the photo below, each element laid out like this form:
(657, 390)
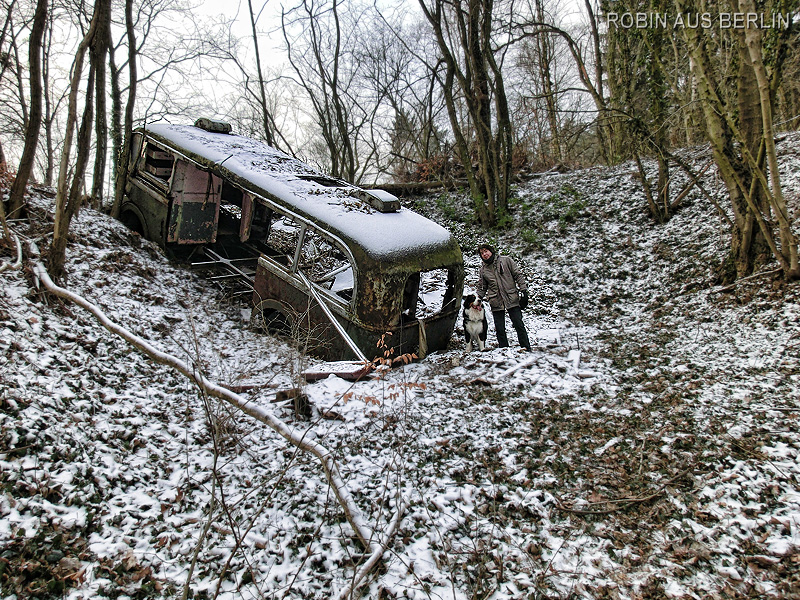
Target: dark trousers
(515, 314)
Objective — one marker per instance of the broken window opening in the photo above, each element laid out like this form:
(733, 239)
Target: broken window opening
(302, 247)
(230, 210)
(157, 163)
(327, 264)
(410, 296)
(282, 238)
(428, 293)
(259, 227)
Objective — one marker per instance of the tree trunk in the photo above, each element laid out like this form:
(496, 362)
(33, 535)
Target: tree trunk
(17, 195)
(6, 237)
(49, 117)
(466, 49)
(98, 57)
(319, 67)
(116, 119)
(267, 121)
(604, 129)
(748, 246)
(544, 51)
(68, 201)
(741, 169)
(124, 157)
(462, 148)
(753, 41)
(729, 164)
(70, 205)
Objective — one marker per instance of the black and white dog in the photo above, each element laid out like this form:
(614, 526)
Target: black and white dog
(475, 325)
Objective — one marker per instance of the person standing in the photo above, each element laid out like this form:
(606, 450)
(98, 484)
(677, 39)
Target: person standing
(504, 286)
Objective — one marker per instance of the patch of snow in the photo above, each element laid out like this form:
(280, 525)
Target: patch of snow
(667, 465)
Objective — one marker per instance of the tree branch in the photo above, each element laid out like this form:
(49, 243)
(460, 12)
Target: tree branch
(363, 531)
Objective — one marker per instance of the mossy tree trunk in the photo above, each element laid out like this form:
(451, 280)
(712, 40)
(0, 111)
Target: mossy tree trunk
(741, 134)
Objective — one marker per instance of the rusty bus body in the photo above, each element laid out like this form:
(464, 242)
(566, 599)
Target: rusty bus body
(378, 268)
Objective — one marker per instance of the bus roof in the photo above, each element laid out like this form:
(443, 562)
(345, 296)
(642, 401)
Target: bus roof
(332, 204)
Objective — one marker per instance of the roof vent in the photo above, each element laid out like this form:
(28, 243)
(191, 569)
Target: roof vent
(380, 200)
(213, 126)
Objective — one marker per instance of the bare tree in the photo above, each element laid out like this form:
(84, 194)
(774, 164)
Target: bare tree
(68, 200)
(638, 63)
(54, 98)
(551, 113)
(34, 122)
(4, 34)
(320, 53)
(121, 133)
(99, 50)
(589, 64)
(13, 103)
(388, 79)
(267, 120)
(403, 68)
(252, 110)
(157, 62)
(543, 49)
(465, 34)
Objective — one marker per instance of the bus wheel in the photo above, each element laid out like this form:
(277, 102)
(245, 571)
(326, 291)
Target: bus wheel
(132, 222)
(273, 317)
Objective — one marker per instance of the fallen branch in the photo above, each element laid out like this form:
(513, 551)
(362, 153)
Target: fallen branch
(375, 558)
(18, 263)
(625, 502)
(728, 288)
(502, 376)
(363, 531)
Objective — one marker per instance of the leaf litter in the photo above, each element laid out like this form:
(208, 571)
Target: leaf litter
(663, 463)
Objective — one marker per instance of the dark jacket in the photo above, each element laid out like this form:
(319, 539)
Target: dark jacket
(500, 281)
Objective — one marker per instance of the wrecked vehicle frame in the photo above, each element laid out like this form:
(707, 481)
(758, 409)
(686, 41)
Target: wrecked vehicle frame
(390, 277)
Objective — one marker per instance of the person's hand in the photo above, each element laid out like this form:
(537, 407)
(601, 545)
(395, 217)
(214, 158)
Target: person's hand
(523, 299)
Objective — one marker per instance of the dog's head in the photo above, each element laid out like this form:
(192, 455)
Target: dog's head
(472, 301)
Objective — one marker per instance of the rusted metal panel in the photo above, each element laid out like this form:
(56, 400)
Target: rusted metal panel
(194, 210)
(149, 208)
(247, 217)
(384, 321)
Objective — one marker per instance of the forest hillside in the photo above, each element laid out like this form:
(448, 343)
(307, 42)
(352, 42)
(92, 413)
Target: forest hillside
(646, 448)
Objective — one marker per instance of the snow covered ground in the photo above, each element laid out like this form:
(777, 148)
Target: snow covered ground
(647, 449)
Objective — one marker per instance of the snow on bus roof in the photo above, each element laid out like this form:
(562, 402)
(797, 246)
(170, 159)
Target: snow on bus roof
(324, 199)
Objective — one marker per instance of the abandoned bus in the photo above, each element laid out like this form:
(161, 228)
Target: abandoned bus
(347, 271)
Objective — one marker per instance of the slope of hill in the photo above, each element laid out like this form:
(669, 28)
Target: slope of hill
(664, 462)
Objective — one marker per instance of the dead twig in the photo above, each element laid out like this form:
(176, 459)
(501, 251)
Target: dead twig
(378, 551)
(625, 502)
(543, 574)
(756, 455)
(732, 286)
